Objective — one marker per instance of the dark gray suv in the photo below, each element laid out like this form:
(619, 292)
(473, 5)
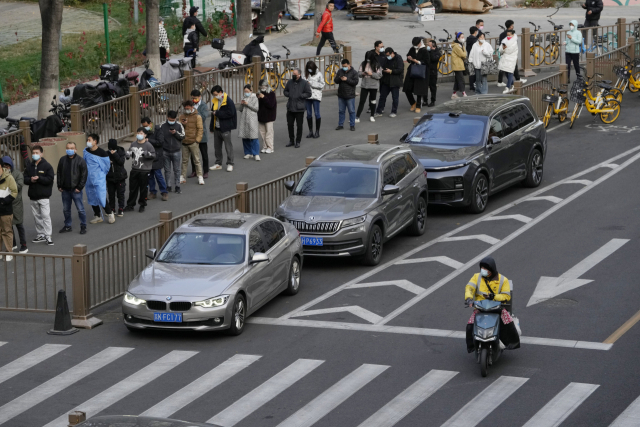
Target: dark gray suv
(353, 198)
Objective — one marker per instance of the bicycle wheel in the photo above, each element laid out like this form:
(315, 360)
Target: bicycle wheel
(330, 73)
(248, 76)
(272, 78)
(547, 115)
(611, 116)
(617, 94)
(562, 115)
(206, 95)
(444, 66)
(537, 55)
(632, 83)
(551, 54)
(574, 115)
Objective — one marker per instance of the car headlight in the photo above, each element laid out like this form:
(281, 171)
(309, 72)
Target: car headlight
(132, 299)
(213, 302)
(354, 221)
(485, 333)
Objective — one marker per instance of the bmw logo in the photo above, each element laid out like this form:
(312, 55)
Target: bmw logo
(168, 298)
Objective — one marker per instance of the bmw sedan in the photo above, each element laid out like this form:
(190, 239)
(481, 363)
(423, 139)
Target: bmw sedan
(213, 272)
(474, 147)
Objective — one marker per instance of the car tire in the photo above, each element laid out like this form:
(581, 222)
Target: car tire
(419, 224)
(534, 170)
(294, 277)
(238, 316)
(373, 252)
(479, 194)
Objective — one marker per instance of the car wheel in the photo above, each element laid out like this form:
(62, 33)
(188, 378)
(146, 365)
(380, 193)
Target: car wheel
(534, 170)
(419, 224)
(238, 315)
(294, 277)
(479, 194)
(374, 247)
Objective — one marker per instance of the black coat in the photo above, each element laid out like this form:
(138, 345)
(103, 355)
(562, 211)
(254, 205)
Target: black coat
(189, 21)
(469, 43)
(227, 115)
(194, 41)
(297, 91)
(117, 171)
(595, 6)
(396, 65)
(78, 172)
(40, 189)
(156, 139)
(171, 142)
(419, 87)
(347, 88)
(434, 59)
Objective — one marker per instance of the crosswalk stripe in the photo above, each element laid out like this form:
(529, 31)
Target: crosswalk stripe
(127, 386)
(486, 402)
(62, 381)
(630, 417)
(562, 405)
(409, 399)
(2, 343)
(313, 411)
(265, 392)
(29, 360)
(200, 386)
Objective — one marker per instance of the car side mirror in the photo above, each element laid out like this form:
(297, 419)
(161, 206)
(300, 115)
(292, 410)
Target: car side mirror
(259, 257)
(290, 185)
(390, 189)
(151, 253)
(403, 138)
(495, 140)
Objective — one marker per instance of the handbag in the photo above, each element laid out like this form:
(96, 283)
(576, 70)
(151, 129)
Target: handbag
(418, 71)
(471, 68)
(489, 67)
(466, 71)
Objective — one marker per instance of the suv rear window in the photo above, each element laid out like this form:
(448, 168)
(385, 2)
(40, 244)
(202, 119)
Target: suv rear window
(338, 181)
(443, 129)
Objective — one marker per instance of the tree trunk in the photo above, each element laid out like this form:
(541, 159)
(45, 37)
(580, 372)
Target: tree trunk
(317, 16)
(243, 35)
(51, 16)
(153, 37)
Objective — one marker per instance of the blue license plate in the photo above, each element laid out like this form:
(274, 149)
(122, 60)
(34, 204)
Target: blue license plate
(167, 317)
(312, 241)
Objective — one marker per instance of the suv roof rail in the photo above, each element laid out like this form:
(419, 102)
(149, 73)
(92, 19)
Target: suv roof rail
(333, 149)
(397, 147)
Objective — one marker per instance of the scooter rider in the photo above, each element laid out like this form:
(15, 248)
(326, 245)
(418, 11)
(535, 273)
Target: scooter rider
(489, 284)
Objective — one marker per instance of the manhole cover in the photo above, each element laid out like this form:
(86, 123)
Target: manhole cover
(560, 302)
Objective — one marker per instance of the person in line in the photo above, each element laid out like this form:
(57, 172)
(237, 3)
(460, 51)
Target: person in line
(480, 25)
(391, 82)
(39, 177)
(572, 44)
(471, 40)
(370, 74)
(458, 56)
(163, 41)
(190, 43)
(205, 112)
(378, 50)
(155, 139)
(8, 193)
(509, 58)
(434, 59)
(297, 90)
(193, 131)
(172, 134)
(142, 154)
(325, 28)
(248, 124)
(18, 209)
(116, 177)
(481, 52)
(316, 81)
(347, 78)
(267, 109)
(417, 55)
(98, 164)
(509, 25)
(224, 119)
(71, 177)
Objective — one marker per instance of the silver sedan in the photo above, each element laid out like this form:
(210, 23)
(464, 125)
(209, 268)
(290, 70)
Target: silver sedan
(213, 272)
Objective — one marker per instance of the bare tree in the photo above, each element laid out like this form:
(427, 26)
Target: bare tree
(51, 16)
(317, 16)
(243, 35)
(153, 37)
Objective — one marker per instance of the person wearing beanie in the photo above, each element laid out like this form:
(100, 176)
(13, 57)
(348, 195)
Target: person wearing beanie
(326, 29)
(116, 177)
(418, 54)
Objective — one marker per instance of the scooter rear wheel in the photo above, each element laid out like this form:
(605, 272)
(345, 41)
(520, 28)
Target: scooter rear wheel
(484, 362)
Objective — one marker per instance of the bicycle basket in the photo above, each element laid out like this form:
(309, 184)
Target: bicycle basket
(535, 39)
(549, 98)
(636, 62)
(577, 94)
(621, 72)
(552, 38)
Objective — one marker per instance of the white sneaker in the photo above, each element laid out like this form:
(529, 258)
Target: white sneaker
(392, 115)
(506, 90)
(9, 258)
(464, 94)
(256, 158)
(268, 151)
(454, 96)
(95, 220)
(371, 119)
(14, 248)
(501, 84)
(215, 168)
(357, 120)
(264, 150)
(111, 218)
(248, 156)
(182, 180)
(200, 180)
(229, 168)
(523, 81)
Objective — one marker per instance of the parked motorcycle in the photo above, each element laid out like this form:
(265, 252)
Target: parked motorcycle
(62, 109)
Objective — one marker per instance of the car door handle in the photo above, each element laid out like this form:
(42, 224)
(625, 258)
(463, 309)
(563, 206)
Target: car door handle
(399, 197)
(415, 184)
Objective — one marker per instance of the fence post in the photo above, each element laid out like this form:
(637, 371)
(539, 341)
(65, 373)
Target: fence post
(347, 53)
(243, 197)
(166, 219)
(631, 51)
(517, 85)
(82, 318)
(308, 161)
(188, 85)
(26, 136)
(76, 125)
(591, 66)
(134, 108)
(564, 70)
(255, 61)
(622, 32)
(525, 53)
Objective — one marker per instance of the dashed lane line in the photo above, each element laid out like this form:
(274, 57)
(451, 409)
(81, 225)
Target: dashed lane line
(520, 218)
(353, 309)
(579, 181)
(441, 259)
(401, 283)
(482, 237)
(552, 199)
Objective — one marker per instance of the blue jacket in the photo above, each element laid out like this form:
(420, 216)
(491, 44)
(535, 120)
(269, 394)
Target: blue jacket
(573, 43)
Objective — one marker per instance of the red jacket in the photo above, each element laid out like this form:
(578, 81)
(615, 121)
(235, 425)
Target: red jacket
(326, 25)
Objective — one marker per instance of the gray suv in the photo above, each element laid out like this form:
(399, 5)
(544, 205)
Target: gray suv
(353, 198)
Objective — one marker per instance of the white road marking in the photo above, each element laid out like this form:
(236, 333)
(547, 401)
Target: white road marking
(127, 386)
(264, 393)
(402, 283)
(532, 196)
(60, 382)
(441, 259)
(579, 181)
(520, 218)
(401, 405)
(562, 405)
(326, 402)
(556, 127)
(552, 199)
(610, 165)
(482, 237)
(29, 360)
(408, 330)
(353, 309)
(550, 287)
(200, 386)
(2, 343)
(630, 417)
(486, 402)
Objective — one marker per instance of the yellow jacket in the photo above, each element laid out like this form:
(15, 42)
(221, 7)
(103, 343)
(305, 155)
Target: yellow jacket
(458, 55)
(492, 286)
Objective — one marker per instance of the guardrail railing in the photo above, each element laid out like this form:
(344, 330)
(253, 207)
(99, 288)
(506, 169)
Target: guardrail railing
(10, 146)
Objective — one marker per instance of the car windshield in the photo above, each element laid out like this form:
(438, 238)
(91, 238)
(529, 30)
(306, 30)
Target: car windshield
(447, 130)
(203, 248)
(340, 181)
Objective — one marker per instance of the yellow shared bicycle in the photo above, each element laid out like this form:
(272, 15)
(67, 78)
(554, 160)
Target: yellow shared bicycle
(604, 103)
(558, 104)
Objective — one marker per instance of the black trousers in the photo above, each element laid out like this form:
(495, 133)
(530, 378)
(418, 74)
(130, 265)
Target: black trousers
(569, 58)
(516, 74)
(412, 100)
(472, 81)
(204, 155)
(138, 186)
(364, 93)
(433, 86)
(323, 39)
(163, 55)
(23, 238)
(114, 188)
(295, 116)
(107, 209)
(458, 84)
(384, 93)
(589, 23)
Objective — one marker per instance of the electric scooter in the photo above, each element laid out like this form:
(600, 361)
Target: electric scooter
(486, 333)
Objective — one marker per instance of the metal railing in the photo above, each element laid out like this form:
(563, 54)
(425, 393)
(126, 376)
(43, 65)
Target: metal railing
(232, 81)
(534, 91)
(109, 120)
(156, 102)
(228, 204)
(10, 146)
(604, 64)
(265, 199)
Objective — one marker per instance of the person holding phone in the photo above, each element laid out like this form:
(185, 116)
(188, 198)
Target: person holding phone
(172, 133)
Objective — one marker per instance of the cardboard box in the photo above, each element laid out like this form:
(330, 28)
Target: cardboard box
(422, 18)
(427, 11)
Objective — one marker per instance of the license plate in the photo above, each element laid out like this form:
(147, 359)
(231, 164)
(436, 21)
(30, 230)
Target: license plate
(167, 317)
(312, 241)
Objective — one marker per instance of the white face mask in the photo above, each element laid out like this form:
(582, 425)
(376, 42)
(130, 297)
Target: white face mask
(571, 27)
(484, 272)
(462, 40)
(89, 144)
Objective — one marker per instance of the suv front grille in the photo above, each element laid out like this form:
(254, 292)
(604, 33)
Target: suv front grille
(157, 305)
(320, 227)
(180, 306)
